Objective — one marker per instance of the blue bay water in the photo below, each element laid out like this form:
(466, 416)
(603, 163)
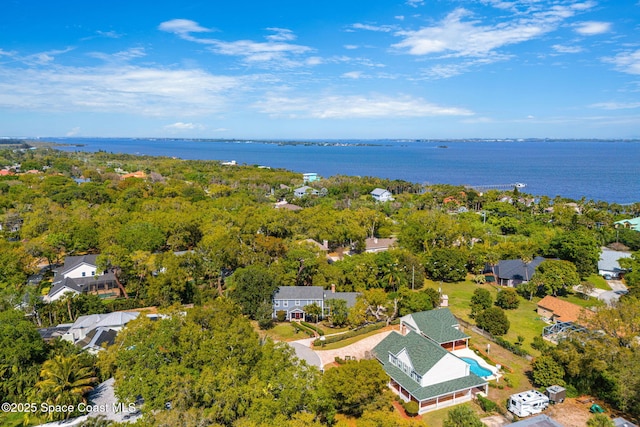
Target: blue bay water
(597, 170)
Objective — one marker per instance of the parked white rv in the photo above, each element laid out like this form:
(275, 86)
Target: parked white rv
(528, 403)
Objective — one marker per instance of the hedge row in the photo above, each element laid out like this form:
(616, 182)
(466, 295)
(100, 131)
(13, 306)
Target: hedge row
(313, 328)
(300, 327)
(350, 334)
(518, 351)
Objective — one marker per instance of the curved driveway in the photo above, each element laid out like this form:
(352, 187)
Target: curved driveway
(358, 350)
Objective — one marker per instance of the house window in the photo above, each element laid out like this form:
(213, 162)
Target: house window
(93, 273)
(84, 273)
(297, 302)
(277, 303)
(285, 303)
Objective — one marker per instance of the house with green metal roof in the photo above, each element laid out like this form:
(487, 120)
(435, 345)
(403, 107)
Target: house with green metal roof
(421, 370)
(633, 223)
(439, 326)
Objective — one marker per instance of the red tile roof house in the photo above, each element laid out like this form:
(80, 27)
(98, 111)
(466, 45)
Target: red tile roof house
(557, 310)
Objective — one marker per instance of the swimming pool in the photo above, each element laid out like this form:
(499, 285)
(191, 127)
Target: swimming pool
(476, 368)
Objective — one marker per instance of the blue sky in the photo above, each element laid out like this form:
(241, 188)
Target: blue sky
(321, 69)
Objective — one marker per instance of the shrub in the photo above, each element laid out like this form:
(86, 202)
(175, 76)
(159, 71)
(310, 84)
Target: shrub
(494, 321)
(411, 408)
(508, 299)
(313, 328)
(486, 404)
(266, 323)
(300, 327)
(571, 391)
(518, 351)
(350, 334)
(281, 315)
(481, 300)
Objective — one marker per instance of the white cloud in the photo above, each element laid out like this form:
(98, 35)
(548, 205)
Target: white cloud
(182, 27)
(73, 132)
(180, 126)
(122, 56)
(281, 35)
(461, 34)
(445, 71)
(346, 46)
(399, 17)
(42, 58)
(109, 34)
(353, 75)
(116, 89)
(252, 51)
(415, 3)
(616, 105)
(567, 49)
(626, 62)
(370, 27)
(592, 28)
(276, 51)
(356, 106)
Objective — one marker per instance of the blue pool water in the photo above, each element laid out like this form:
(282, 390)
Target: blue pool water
(476, 368)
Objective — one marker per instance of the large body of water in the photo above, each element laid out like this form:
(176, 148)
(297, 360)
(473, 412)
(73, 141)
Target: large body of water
(597, 170)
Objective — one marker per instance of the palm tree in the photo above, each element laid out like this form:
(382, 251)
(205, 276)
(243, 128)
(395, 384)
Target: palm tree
(65, 381)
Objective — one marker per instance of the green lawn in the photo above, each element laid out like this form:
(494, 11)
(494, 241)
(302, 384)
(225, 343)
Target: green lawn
(524, 320)
(598, 281)
(285, 332)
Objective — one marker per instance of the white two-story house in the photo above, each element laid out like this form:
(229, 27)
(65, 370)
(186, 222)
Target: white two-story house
(420, 369)
(80, 274)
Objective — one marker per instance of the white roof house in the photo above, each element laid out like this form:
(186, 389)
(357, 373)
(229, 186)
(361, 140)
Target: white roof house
(381, 195)
(608, 265)
(85, 324)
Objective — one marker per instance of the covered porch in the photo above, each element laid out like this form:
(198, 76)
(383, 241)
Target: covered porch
(440, 401)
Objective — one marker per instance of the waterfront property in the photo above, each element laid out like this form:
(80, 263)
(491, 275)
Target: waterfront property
(310, 177)
(633, 223)
(381, 195)
(80, 275)
(420, 367)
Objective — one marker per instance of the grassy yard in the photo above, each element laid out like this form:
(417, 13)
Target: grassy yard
(285, 332)
(524, 320)
(598, 281)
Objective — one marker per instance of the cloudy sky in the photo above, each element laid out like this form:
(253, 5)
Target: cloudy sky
(320, 69)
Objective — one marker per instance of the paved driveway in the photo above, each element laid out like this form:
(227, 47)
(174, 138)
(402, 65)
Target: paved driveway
(305, 353)
(359, 350)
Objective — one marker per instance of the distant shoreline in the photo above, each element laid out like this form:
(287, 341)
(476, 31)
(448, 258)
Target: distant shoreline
(593, 169)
